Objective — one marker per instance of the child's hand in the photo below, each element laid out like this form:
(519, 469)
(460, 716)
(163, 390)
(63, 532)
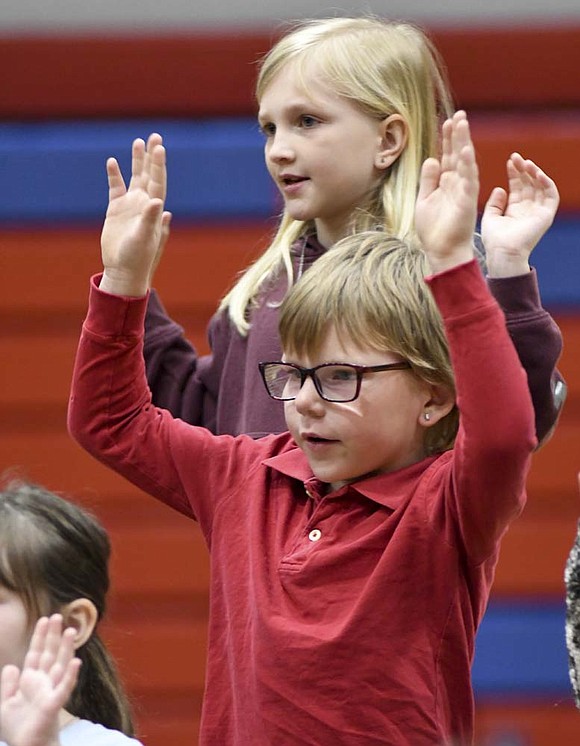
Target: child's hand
(136, 226)
(512, 224)
(446, 207)
(31, 699)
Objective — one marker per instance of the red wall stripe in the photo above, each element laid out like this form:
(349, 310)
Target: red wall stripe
(213, 74)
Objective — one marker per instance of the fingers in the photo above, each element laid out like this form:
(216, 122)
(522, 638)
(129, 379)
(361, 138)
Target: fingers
(165, 229)
(68, 681)
(429, 179)
(138, 162)
(496, 203)
(51, 649)
(155, 167)
(60, 649)
(455, 136)
(37, 644)
(148, 169)
(528, 181)
(9, 680)
(117, 186)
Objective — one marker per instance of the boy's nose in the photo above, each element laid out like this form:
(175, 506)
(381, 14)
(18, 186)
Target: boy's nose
(308, 400)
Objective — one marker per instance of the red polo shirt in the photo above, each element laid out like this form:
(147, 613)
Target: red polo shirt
(346, 617)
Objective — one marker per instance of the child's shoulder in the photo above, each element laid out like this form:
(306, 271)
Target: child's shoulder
(93, 734)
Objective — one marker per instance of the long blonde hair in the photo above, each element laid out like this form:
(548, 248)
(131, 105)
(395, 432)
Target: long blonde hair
(370, 288)
(384, 68)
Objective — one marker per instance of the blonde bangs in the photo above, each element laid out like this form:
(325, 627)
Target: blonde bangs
(384, 68)
(370, 289)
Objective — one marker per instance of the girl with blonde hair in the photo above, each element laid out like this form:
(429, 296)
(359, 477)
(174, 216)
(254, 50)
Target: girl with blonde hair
(350, 108)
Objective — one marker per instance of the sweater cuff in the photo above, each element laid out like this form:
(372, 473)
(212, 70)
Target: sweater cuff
(460, 290)
(114, 315)
(517, 295)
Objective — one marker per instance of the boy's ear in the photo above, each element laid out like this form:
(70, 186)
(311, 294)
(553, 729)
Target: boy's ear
(394, 136)
(82, 615)
(440, 402)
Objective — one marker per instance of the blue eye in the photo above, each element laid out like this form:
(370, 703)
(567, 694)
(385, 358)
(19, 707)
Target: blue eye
(308, 121)
(342, 374)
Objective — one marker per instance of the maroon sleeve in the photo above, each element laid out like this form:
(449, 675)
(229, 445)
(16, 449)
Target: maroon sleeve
(181, 381)
(538, 342)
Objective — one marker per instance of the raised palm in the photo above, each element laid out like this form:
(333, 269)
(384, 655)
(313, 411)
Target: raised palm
(133, 231)
(514, 221)
(446, 207)
(32, 698)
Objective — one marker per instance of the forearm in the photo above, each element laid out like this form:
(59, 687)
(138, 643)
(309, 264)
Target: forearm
(538, 342)
(496, 437)
(171, 364)
(110, 412)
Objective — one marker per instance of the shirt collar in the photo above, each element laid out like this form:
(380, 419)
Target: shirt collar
(309, 246)
(388, 490)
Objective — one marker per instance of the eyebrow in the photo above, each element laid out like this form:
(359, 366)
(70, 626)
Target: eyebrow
(293, 108)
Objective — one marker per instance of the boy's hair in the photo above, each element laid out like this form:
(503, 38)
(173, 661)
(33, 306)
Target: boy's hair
(384, 68)
(51, 553)
(370, 288)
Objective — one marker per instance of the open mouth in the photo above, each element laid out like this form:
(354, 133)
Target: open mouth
(290, 180)
(316, 440)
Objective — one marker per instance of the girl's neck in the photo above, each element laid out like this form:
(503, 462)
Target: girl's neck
(65, 718)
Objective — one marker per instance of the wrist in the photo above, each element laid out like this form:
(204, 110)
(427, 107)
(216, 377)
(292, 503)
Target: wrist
(122, 283)
(441, 263)
(506, 266)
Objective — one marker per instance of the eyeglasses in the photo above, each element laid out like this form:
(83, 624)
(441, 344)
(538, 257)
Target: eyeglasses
(336, 382)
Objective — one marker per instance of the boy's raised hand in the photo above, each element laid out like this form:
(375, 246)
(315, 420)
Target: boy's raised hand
(513, 222)
(446, 207)
(31, 699)
(136, 226)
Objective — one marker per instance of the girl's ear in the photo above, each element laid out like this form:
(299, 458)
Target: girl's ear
(82, 615)
(394, 136)
(440, 402)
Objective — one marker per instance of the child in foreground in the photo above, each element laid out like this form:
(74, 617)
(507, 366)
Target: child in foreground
(58, 684)
(352, 556)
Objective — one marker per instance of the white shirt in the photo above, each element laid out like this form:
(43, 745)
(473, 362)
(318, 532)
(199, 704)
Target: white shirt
(85, 733)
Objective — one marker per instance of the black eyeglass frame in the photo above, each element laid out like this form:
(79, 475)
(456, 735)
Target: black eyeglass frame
(305, 373)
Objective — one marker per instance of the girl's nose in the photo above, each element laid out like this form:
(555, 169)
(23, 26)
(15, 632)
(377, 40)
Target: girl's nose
(280, 148)
(308, 400)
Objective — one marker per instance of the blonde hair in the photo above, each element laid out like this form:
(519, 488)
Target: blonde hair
(370, 287)
(384, 68)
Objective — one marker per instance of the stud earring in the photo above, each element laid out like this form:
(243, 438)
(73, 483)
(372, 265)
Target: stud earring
(427, 416)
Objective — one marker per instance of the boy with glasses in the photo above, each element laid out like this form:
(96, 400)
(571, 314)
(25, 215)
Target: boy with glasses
(352, 557)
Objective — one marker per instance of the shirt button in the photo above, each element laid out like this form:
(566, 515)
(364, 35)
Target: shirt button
(315, 534)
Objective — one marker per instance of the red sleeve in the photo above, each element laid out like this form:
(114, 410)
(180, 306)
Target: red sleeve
(496, 436)
(111, 415)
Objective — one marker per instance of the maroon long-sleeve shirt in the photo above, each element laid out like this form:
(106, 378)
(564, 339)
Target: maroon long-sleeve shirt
(223, 391)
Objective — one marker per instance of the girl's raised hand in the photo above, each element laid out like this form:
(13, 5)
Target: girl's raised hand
(513, 222)
(135, 226)
(446, 207)
(31, 699)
